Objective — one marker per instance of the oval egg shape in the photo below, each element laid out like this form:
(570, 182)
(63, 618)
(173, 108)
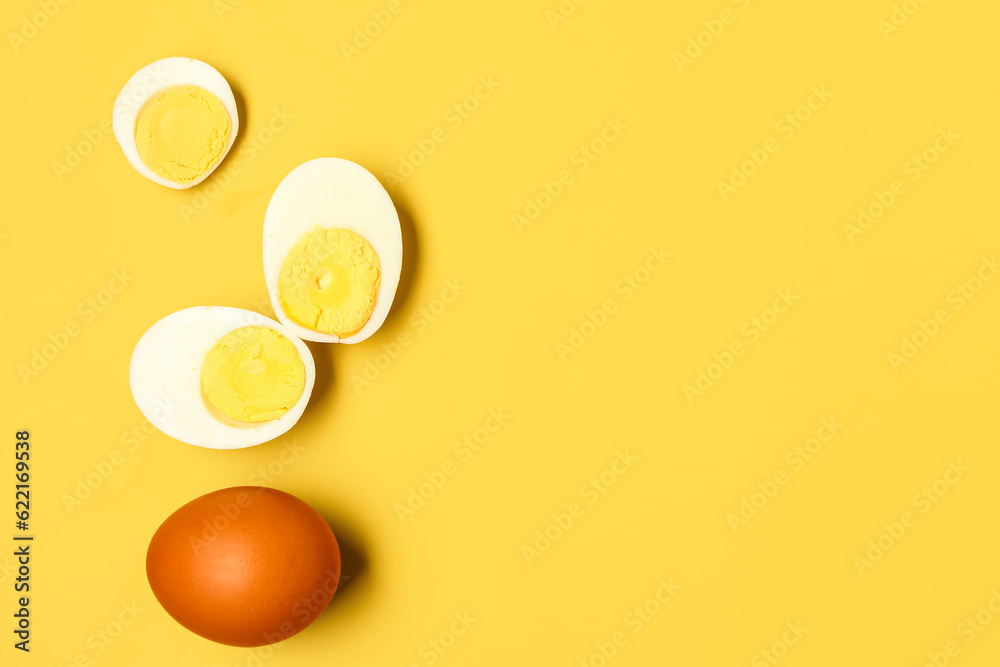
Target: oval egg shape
(166, 377)
(244, 566)
(160, 78)
(329, 194)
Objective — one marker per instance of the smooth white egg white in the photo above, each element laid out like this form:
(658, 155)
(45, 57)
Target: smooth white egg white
(333, 193)
(165, 376)
(150, 80)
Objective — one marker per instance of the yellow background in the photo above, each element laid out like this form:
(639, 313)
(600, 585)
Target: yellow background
(495, 346)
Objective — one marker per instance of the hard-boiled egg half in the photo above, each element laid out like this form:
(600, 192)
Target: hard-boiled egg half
(332, 251)
(175, 120)
(221, 378)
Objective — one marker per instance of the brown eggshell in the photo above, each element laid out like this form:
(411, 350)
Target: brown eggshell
(244, 566)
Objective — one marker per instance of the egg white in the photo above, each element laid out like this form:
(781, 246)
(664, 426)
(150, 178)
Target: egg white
(150, 80)
(333, 193)
(165, 376)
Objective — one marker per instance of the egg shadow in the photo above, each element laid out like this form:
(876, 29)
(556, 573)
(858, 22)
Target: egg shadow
(323, 357)
(355, 578)
(241, 113)
(353, 562)
(411, 256)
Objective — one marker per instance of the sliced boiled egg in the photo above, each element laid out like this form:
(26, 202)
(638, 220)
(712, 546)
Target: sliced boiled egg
(221, 378)
(332, 251)
(175, 120)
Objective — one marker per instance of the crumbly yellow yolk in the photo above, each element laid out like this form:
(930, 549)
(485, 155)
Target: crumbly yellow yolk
(253, 374)
(329, 281)
(181, 132)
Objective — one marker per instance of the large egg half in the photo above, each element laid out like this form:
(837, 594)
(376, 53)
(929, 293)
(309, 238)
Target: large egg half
(166, 377)
(186, 127)
(332, 194)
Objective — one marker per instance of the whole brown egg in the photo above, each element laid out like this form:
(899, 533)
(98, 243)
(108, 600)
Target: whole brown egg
(244, 566)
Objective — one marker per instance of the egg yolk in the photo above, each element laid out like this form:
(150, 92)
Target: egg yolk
(253, 374)
(181, 132)
(329, 281)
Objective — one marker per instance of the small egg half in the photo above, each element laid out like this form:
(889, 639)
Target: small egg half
(221, 378)
(176, 120)
(333, 251)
